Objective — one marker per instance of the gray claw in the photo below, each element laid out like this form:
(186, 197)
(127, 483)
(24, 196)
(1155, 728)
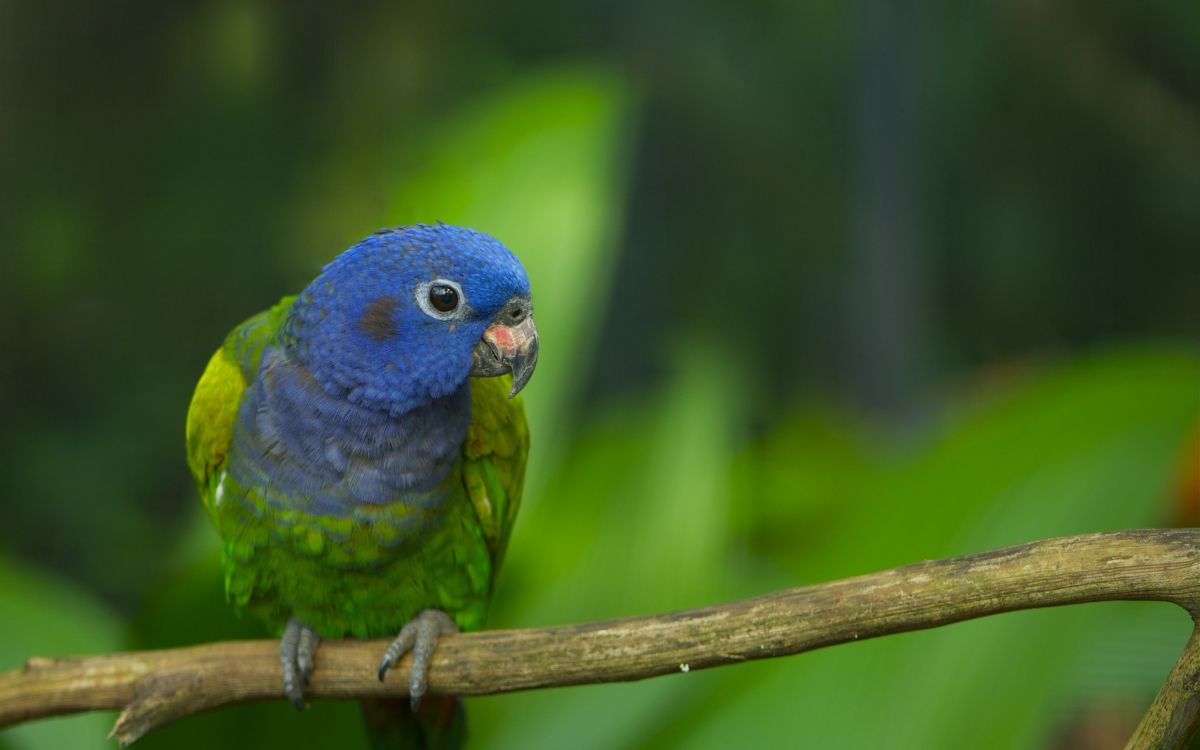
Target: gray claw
(419, 635)
(297, 653)
(306, 653)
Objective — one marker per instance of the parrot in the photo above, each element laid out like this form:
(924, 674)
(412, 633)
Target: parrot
(361, 448)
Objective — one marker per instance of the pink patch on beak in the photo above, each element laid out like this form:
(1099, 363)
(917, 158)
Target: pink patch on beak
(502, 338)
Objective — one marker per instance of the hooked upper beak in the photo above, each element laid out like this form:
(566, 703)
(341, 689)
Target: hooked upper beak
(507, 347)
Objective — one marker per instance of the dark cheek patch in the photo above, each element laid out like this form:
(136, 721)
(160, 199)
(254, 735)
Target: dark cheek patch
(376, 320)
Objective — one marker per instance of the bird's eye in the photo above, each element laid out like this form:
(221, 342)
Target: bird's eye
(443, 298)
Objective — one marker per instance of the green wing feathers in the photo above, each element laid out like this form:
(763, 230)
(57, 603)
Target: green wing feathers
(215, 403)
(494, 459)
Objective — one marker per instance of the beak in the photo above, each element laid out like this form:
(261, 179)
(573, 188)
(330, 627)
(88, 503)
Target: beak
(507, 348)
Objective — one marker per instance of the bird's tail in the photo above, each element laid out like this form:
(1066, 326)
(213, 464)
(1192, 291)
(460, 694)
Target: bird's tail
(440, 724)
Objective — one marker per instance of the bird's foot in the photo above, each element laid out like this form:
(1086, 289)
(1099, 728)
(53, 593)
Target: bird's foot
(297, 652)
(420, 636)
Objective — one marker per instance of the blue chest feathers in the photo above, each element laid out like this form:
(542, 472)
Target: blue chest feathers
(311, 451)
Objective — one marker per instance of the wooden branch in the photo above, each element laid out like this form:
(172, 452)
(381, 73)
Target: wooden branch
(1174, 716)
(153, 688)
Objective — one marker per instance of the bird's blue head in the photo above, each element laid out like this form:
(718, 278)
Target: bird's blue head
(406, 315)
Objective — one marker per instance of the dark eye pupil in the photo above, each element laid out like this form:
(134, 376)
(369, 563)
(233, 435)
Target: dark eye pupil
(443, 298)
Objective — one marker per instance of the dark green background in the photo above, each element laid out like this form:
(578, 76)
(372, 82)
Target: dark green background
(823, 288)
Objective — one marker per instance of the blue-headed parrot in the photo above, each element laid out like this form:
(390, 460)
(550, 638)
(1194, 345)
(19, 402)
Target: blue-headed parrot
(361, 449)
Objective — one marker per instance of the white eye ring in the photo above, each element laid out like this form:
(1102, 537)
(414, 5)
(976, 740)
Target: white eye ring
(421, 295)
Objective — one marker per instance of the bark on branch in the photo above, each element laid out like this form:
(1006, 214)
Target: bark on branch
(152, 688)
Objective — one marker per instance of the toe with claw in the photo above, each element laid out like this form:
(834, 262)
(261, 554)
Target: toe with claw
(297, 655)
(420, 636)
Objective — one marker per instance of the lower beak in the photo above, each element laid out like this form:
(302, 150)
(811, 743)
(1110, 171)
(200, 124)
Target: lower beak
(507, 349)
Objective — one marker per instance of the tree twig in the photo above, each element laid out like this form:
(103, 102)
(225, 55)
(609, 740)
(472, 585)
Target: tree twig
(153, 688)
(1174, 717)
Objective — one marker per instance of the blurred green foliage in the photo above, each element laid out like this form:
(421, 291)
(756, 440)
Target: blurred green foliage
(743, 385)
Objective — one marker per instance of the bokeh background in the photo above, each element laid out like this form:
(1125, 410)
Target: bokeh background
(824, 288)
